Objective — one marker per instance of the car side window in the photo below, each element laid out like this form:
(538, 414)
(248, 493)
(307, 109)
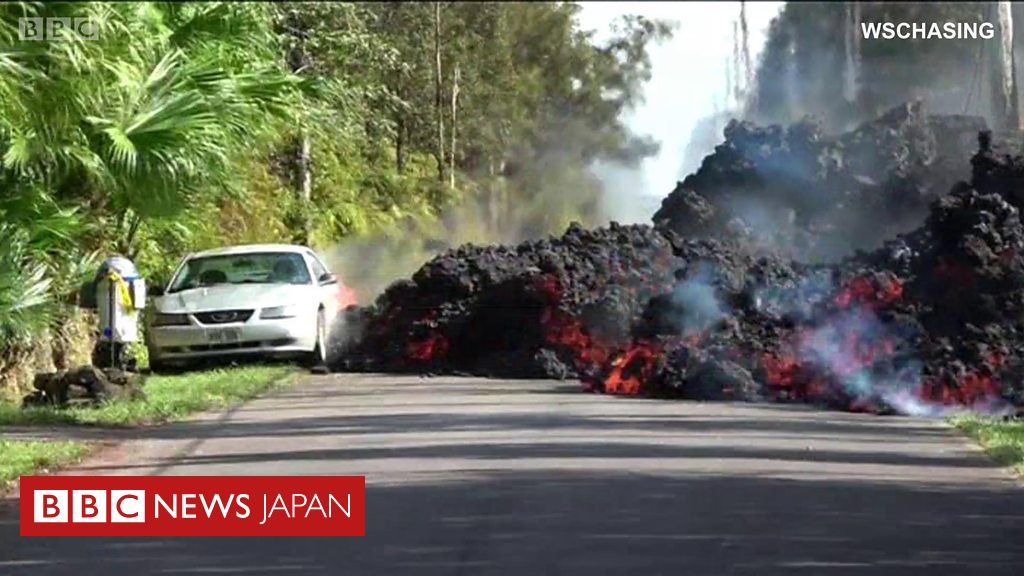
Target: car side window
(318, 268)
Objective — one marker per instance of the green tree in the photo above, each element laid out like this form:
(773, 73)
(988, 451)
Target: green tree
(186, 125)
(102, 137)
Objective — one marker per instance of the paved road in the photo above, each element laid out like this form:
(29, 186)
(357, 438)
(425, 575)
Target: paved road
(469, 476)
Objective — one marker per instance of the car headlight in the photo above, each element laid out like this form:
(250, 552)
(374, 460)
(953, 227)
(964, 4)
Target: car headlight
(171, 320)
(275, 312)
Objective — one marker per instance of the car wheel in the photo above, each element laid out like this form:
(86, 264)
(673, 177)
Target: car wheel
(318, 357)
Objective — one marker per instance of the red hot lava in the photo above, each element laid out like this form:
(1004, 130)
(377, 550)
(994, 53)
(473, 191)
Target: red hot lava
(848, 348)
(564, 329)
(631, 368)
(854, 351)
(627, 370)
(788, 372)
(560, 327)
(971, 389)
(975, 387)
(871, 292)
(433, 346)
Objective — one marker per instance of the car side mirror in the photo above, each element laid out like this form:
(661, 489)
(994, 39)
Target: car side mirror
(157, 289)
(328, 278)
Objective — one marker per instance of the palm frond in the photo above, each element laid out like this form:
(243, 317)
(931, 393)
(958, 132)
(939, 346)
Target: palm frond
(24, 291)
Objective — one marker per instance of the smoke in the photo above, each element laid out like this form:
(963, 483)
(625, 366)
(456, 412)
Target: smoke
(796, 301)
(862, 355)
(873, 361)
(368, 264)
(548, 183)
(705, 135)
(910, 404)
(870, 360)
(541, 198)
(372, 262)
(626, 196)
(697, 301)
(765, 225)
(687, 86)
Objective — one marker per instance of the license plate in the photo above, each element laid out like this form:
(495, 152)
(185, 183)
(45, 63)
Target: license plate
(223, 336)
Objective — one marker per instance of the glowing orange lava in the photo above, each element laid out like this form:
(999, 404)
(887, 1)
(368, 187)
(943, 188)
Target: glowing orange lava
(433, 346)
(630, 369)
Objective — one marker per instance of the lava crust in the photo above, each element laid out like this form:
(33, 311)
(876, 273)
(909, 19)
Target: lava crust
(767, 276)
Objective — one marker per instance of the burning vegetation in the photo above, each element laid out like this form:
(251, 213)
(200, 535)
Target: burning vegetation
(767, 276)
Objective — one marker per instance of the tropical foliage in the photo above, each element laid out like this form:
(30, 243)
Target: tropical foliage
(177, 126)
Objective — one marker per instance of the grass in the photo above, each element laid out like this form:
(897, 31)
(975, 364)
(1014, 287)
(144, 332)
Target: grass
(168, 398)
(24, 457)
(1002, 439)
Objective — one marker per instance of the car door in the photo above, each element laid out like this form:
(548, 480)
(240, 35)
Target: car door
(327, 285)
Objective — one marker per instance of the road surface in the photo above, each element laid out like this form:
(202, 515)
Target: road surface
(472, 476)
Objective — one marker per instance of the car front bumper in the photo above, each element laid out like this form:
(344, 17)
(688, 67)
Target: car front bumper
(281, 337)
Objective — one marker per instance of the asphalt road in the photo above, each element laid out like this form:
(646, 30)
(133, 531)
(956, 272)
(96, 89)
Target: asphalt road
(470, 476)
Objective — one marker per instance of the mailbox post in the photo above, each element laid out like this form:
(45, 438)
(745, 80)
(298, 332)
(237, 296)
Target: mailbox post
(117, 293)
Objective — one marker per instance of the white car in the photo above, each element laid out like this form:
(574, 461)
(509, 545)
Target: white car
(266, 299)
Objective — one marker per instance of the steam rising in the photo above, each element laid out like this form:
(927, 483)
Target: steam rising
(556, 198)
(688, 85)
(870, 359)
(698, 303)
(845, 347)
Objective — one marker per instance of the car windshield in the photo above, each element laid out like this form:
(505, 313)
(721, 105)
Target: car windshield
(256, 268)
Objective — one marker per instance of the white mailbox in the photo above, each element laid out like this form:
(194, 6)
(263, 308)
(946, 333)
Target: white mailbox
(120, 293)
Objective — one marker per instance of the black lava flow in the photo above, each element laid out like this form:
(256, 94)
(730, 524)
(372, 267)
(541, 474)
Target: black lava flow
(877, 270)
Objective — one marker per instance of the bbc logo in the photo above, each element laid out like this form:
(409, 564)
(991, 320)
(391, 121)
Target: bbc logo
(37, 28)
(88, 506)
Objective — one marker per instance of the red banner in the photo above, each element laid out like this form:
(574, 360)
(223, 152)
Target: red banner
(193, 505)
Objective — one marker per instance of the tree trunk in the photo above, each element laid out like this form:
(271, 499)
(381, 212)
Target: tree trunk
(748, 67)
(852, 49)
(297, 62)
(305, 180)
(728, 84)
(129, 226)
(792, 88)
(1007, 75)
(455, 100)
(130, 250)
(400, 145)
(737, 87)
(438, 92)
